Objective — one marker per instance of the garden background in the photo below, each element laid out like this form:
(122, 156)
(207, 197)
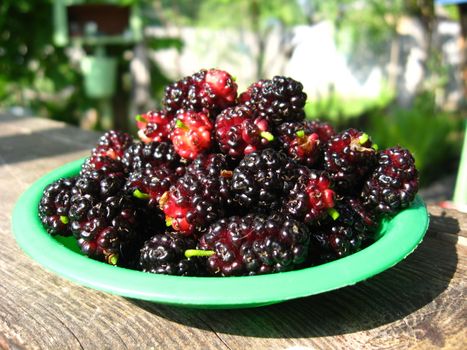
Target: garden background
(392, 68)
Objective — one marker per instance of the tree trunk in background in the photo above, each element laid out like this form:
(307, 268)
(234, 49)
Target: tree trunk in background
(121, 99)
(393, 68)
(255, 25)
(463, 22)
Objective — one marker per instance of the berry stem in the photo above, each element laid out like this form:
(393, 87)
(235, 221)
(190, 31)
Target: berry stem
(364, 138)
(141, 195)
(375, 147)
(181, 125)
(189, 253)
(300, 133)
(112, 259)
(64, 219)
(267, 135)
(140, 118)
(333, 213)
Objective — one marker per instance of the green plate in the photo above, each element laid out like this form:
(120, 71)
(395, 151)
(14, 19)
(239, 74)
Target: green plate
(398, 238)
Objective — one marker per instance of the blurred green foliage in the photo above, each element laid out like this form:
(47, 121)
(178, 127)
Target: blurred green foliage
(34, 73)
(433, 136)
(341, 111)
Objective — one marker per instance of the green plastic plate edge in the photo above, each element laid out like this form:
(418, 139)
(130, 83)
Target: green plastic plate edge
(400, 236)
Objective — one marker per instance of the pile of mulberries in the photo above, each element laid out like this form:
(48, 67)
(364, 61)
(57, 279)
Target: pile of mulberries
(222, 183)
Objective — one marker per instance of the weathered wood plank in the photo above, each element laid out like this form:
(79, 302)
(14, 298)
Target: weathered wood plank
(419, 303)
(39, 309)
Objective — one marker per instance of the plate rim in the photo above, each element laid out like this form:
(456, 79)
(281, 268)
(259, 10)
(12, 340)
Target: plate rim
(209, 292)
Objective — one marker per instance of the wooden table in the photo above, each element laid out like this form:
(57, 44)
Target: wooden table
(419, 303)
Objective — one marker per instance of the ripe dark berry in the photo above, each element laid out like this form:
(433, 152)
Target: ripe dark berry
(252, 90)
(113, 144)
(214, 164)
(279, 100)
(394, 183)
(154, 126)
(165, 254)
(255, 244)
(176, 95)
(300, 142)
(195, 201)
(151, 183)
(311, 199)
(153, 154)
(350, 231)
(261, 179)
(239, 132)
(99, 183)
(106, 230)
(54, 207)
(349, 158)
(208, 91)
(191, 135)
(324, 130)
(103, 164)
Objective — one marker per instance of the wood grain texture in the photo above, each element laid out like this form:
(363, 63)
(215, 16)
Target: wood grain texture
(419, 303)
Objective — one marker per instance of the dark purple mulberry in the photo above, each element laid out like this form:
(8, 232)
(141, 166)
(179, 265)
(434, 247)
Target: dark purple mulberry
(54, 207)
(255, 244)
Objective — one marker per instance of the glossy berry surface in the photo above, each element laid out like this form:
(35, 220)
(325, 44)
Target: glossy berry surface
(324, 130)
(214, 164)
(261, 179)
(150, 183)
(102, 164)
(279, 100)
(105, 230)
(311, 198)
(349, 158)
(394, 183)
(154, 126)
(209, 91)
(195, 201)
(165, 254)
(300, 142)
(154, 154)
(54, 207)
(113, 144)
(238, 132)
(191, 135)
(255, 244)
(254, 89)
(352, 230)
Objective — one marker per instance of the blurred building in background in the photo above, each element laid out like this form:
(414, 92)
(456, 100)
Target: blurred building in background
(391, 67)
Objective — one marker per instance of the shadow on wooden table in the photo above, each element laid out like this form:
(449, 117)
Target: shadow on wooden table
(45, 143)
(390, 296)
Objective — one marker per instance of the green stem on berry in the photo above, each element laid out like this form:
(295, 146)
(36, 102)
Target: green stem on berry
(364, 138)
(141, 195)
(112, 259)
(300, 133)
(333, 213)
(140, 118)
(189, 253)
(181, 125)
(267, 135)
(168, 221)
(375, 147)
(64, 219)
